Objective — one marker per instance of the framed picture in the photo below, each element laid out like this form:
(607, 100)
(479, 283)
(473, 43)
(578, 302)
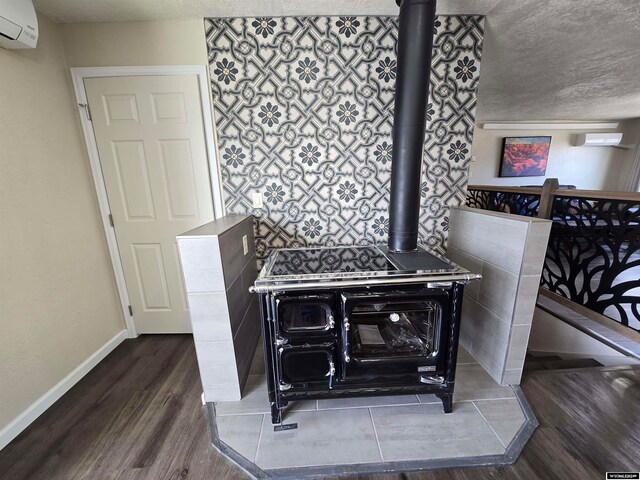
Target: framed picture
(524, 156)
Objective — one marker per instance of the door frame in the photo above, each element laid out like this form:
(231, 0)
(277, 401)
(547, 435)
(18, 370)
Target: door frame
(78, 75)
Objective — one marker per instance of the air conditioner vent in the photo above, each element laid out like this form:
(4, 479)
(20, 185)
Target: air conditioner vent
(598, 139)
(18, 24)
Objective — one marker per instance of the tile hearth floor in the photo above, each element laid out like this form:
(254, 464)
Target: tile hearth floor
(371, 430)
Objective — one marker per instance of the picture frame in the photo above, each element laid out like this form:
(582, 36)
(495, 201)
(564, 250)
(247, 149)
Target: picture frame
(524, 156)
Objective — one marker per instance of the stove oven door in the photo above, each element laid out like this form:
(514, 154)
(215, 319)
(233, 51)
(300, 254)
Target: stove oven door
(393, 334)
(305, 317)
(300, 367)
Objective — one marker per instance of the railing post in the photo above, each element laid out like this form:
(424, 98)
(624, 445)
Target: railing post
(549, 188)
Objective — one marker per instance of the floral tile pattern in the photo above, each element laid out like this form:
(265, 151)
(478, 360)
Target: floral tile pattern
(304, 115)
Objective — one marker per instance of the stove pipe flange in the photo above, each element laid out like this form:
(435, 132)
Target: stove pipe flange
(415, 43)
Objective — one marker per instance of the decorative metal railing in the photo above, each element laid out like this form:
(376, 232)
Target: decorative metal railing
(593, 256)
(520, 201)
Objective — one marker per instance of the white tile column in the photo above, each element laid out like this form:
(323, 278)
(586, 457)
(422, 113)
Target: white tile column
(508, 250)
(224, 316)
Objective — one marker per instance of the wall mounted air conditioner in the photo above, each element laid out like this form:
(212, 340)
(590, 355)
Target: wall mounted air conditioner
(598, 139)
(18, 24)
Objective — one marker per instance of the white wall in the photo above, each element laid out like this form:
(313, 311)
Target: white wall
(58, 300)
(631, 137)
(172, 42)
(591, 168)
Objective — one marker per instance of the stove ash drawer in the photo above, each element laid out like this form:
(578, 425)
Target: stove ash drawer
(302, 364)
(305, 316)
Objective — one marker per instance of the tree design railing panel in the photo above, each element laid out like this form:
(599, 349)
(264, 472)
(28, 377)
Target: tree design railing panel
(593, 256)
(526, 204)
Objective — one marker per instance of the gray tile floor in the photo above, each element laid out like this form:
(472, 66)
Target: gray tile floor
(485, 418)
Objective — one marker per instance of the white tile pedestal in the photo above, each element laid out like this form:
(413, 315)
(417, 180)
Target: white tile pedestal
(509, 251)
(225, 317)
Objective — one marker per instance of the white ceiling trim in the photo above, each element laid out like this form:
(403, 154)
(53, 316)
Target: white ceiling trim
(74, 11)
(549, 126)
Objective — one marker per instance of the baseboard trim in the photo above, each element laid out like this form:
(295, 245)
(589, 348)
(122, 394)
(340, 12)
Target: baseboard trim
(37, 408)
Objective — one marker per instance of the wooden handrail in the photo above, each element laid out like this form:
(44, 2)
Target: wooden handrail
(597, 194)
(607, 331)
(506, 188)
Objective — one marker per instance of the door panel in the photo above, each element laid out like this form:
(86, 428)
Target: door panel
(152, 280)
(133, 180)
(177, 164)
(120, 108)
(169, 107)
(150, 138)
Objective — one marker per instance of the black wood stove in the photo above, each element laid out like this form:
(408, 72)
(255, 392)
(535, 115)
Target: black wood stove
(370, 320)
(358, 321)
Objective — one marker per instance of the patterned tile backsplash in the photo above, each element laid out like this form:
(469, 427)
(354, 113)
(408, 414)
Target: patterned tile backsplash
(304, 114)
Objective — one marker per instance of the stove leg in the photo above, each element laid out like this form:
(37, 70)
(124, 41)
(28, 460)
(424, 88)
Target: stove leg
(447, 401)
(276, 414)
(276, 418)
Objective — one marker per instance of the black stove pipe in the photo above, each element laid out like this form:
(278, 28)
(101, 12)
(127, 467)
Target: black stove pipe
(415, 41)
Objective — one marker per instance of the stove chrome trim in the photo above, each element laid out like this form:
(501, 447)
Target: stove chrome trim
(433, 281)
(432, 379)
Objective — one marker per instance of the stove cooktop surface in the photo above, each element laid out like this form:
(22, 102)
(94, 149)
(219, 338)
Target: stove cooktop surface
(288, 268)
(304, 261)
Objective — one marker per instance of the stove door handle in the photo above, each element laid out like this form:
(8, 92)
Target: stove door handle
(331, 373)
(345, 340)
(332, 370)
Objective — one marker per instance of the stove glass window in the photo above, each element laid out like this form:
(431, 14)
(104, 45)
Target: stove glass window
(300, 365)
(304, 316)
(394, 329)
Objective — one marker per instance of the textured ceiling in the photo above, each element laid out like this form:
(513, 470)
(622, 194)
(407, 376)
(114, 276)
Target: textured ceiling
(561, 60)
(543, 60)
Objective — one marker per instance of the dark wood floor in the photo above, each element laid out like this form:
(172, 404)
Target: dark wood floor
(138, 416)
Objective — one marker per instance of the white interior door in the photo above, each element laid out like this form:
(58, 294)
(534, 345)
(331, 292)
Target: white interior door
(150, 138)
